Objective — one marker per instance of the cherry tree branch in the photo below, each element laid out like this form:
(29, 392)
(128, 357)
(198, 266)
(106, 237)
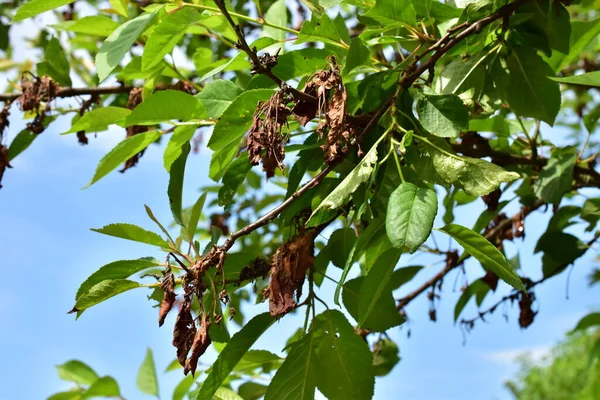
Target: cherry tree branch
(72, 92)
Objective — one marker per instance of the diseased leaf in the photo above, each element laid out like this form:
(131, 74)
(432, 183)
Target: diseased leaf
(133, 232)
(77, 372)
(557, 176)
(116, 270)
(123, 152)
(230, 129)
(35, 7)
(103, 291)
(537, 97)
(175, 188)
(166, 34)
(166, 105)
(410, 215)
(99, 119)
(345, 369)
(375, 285)
(475, 176)
(217, 96)
(147, 380)
(296, 379)
(119, 42)
(485, 252)
(233, 352)
(443, 115)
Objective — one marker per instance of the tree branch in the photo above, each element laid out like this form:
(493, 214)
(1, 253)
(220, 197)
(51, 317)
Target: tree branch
(72, 92)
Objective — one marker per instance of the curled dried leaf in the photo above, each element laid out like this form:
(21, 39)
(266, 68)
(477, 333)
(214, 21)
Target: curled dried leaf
(3, 161)
(288, 271)
(266, 138)
(257, 268)
(184, 332)
(526, 315)
(491, 199)
(200, 344)
(168, 288)
(491, 279)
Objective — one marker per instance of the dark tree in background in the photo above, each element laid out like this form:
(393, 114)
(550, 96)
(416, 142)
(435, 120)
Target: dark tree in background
(336, 129)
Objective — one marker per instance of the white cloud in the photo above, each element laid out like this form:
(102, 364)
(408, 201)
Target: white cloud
(511, 356)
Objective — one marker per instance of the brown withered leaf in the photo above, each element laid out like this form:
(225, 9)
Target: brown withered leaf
(257, 268)
(491, 279)
(3, 161)
(168, 288)
(519, 225)
(265, 140)
(288, 271)
(4, 122)
(526, 315)
(199, 346)
(184, 332)
(491, 199)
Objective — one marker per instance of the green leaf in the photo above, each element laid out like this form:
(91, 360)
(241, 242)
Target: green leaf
(122, 152)
(592, 319)
(166, 34)
(557, 176)
(537, 97)
(587, 79)
(78, 372)
(469, 292)
(120, 7)
(224, 393)
(485, 252)
(95, 25)
(461, 75)
(35, 7)
(375, 285)
(56, 64)
(175, 188)
(410, 215)
(591, 213)
(319, 29)
(132, 232)
(385, 356)
(116, 270)
(233, 352)
(560, 249)
(276, 14)
(393, 13)
(231, 128)
(166, 105)
(190, 219)
(345, 363)
(233, 178)
(257, 359)
(384, 314)
(252, 390)
(403, 275)
(296, 379)
(105, 386)
(72, 395)
(475, 176)
(341, 194)
(99, 119)
(217, 96)
(340, 245)
(20, 143)
(147, 380)
(183, 387)
(116, 46)
(182, 135)
(358, 55)
(103, 291)
(443, 115)
(582, 34)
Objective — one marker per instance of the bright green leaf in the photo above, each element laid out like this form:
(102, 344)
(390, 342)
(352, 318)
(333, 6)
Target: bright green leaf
(132, 232)
(122, 152)
(319, 29)
(20, 143)
(591, 319)
(105, 386)
(190, 219)
(485, 252)
(443, 115)
(166, 105)
(183, 387)
(557, 176)
(467, 294)
(588, 79)
(182, 135)
(120, 6)
(410, 215)
(103, 291)
(217, 96)
(147, 380)
(276, 14)
(78, 372)
(94, 25)
(115, 270)
(393, 13)
(99, 119)
(35, 7)
(175, 188)
(56, 64)
(233, 352)
(116, 46)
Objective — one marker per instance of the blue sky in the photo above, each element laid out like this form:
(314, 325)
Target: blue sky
(48, 250)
